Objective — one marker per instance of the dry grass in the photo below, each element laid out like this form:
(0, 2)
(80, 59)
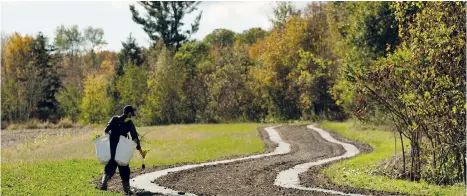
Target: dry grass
(36, 124)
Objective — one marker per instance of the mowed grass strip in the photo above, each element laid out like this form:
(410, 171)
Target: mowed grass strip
(199, 143)
(357, 171)
(66, 166)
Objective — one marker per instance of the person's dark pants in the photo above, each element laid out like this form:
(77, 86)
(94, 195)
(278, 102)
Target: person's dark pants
(112, 165)
(124, 170)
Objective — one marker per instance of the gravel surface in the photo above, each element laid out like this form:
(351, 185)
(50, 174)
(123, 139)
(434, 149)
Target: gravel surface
(255, 177)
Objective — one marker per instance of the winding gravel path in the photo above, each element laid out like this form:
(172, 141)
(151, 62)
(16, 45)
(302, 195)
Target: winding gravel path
(145, 181)
(290, 178)
(271, 175)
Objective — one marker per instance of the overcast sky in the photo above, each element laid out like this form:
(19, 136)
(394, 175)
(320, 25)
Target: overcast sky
(115, 18)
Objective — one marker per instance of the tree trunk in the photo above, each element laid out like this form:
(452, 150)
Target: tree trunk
(412, 154)
(418, 172)
(465, 168)
(403, 154)
(395, 150)
(415, 156)
(433, 145)
(460, 166)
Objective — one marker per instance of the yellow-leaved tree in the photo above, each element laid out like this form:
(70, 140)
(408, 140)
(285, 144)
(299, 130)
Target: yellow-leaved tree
(96, 104)
(19, 79)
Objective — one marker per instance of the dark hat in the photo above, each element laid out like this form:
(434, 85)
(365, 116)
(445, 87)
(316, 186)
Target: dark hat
(129, 109)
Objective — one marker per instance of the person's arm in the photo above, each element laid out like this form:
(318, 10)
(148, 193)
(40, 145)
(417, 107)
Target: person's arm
(109, 125)
(134, 136)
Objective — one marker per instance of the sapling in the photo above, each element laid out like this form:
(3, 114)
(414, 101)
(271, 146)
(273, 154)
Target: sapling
(95, 136)
(145, 151)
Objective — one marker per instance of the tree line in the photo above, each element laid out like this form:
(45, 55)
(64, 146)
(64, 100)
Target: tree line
(400, 64)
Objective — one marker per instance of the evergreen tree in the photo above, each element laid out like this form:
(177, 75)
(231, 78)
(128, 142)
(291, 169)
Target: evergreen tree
(47, 107)
(131, 53)
(163, 21)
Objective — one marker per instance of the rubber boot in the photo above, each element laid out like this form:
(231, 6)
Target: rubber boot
(126, 188)
(105, 180)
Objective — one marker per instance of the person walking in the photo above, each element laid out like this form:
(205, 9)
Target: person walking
(116, 127)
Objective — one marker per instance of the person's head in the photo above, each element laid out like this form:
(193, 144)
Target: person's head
(129, 111)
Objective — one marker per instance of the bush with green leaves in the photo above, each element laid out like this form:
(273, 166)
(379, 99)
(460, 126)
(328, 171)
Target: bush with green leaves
(419, 88)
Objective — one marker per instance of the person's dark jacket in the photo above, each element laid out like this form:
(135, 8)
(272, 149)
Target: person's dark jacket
(117, 127)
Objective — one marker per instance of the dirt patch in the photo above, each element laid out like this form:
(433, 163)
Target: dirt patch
(115, 185)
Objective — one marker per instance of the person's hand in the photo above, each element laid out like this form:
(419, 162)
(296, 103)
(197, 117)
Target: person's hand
(143, 153)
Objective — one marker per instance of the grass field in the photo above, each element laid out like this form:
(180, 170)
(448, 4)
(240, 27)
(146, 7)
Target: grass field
(356, 172)
(65, 165)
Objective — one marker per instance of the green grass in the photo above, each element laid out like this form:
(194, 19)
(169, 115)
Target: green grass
(356, 172)
(68, 177)
(66, 166)
(200, 143)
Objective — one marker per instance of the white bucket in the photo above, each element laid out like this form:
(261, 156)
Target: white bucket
(124, 152)
(103, 149)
